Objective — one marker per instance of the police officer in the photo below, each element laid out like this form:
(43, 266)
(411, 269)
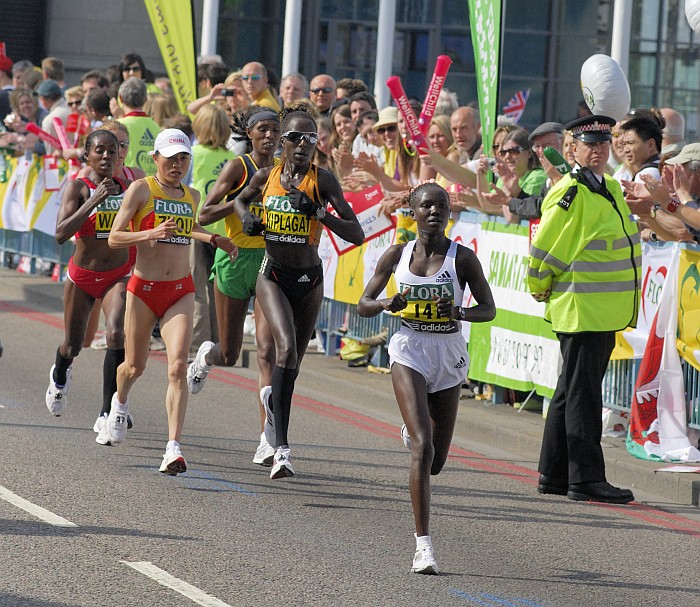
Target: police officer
(585, 263)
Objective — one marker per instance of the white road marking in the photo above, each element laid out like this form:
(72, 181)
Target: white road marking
(164, 578)
(33, 509)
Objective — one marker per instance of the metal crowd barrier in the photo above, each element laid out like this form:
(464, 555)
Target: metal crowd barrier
(338, 319)
(35, 245)
(621, 377)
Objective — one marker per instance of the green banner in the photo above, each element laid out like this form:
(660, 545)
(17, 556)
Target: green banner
(485, 24)
(173, 25)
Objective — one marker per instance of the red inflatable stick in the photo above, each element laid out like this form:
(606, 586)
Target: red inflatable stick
(63, 138)
(415, 134)
(442, 66)
(43, 135)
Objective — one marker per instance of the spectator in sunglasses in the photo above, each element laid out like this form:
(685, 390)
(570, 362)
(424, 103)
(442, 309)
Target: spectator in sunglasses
(322, 92)
(255, 83)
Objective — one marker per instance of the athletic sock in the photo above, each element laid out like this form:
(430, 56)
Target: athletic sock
(282, 390)
(172, 444)
(62, 364)
(423, 541)
(113, 358)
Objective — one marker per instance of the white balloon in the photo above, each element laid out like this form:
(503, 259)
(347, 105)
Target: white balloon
(692, 14)
(605, 87)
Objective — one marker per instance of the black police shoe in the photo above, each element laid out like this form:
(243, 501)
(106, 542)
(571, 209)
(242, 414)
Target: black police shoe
(599, 492)
(551, 484)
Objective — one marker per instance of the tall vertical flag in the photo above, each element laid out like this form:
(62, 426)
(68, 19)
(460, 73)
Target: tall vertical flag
(485, 24)
(173, 25)
(515, 108)
(658, 424)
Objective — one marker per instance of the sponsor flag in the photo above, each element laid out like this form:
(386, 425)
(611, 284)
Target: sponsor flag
(173, 25)
(658, 425)
(485, 24)
(516, 106)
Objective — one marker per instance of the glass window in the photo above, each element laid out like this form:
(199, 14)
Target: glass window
(455, 13)
(415, 11)
(527, 15)
(525, 54)
(367, 10)
(336, 9)
(459, 49)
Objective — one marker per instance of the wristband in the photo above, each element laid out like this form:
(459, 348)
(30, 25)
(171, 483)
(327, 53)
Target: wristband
(673, 205)
(213, 239)
(653, 237)
(462, 313)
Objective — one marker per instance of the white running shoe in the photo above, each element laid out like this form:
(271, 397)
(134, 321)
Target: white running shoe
(424, 561)
(265, 453)
(406, 438)
(114, 430)
(57, 396)
(197, 372)
(282, 464)
(269, 427)
(100, 423)
(173, 462)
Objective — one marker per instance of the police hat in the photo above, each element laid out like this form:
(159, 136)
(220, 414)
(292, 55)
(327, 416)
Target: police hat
(591, 129)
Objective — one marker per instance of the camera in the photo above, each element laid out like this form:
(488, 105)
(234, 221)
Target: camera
(492, 162)
(228, 92)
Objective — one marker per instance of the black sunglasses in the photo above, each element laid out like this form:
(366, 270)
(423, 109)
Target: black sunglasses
(514, 150)
(297, 136)
(322, 89)
(386, 129)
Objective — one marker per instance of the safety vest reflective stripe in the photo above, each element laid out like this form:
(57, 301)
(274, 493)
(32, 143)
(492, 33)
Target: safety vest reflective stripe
(547, 258)
(594, 287)
(600, 266)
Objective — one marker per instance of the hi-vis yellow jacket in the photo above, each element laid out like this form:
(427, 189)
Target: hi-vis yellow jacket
(585, 259)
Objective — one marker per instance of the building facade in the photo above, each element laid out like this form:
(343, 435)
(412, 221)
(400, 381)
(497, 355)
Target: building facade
(543, 45)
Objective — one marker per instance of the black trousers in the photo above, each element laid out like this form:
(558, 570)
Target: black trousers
(571, 448)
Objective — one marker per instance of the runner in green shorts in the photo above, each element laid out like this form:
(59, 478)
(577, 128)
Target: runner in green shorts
(234, 282)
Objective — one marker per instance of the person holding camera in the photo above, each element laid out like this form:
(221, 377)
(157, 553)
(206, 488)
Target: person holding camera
(289, 287)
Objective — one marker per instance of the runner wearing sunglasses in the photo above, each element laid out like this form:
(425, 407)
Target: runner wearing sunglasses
(290, 283)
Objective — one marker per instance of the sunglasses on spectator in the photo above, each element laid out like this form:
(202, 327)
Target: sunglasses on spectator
(386, 129)
(515, 150)
(132, 68)
(74, 103)
(124, 144)
(322, 89)
(297, 136)
(253, 77)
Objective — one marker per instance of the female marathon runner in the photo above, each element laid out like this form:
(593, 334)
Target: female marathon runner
(161, 212)
(428, 354)
(95, 271)
(234, 282)
(289, 287)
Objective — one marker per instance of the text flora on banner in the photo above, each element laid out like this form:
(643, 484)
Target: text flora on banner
(173, 25)
(485, 25)
(365, 205)
(515, 108)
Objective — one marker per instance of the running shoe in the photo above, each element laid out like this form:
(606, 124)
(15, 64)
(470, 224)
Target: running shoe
(100, 341)
(406, 438)
(424, 561)
(197, 372)
(269, 428)
(173, 462)
(114, 430)
(282, 464)
(100, 423)
(57, 396)
(265, 453)
(102, 419)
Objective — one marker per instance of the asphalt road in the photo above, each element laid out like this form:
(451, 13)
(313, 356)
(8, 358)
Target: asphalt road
(100, 525)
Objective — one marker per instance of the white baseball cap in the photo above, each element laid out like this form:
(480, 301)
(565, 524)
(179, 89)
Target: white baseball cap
(170, 142)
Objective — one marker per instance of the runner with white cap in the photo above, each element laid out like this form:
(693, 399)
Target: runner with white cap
(161, 212)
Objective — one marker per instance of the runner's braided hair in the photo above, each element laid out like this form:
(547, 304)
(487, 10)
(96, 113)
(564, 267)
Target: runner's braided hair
(239, 124)
(97, 135)
(295, 111)
(410, 198)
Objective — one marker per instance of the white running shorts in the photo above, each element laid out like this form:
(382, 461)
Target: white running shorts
(441, 359)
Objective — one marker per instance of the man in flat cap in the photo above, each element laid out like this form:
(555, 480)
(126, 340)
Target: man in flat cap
(585, 263)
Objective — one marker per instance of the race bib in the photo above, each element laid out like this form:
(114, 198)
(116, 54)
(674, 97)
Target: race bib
(421, 313)
(285, 224)
(105, 213)
(181, 212)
